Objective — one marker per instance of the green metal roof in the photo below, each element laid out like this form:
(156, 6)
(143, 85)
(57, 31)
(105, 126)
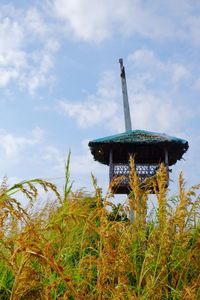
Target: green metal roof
(149, 146)
(139, 136)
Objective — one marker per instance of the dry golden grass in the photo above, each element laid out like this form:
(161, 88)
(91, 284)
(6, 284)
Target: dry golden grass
(73, 249)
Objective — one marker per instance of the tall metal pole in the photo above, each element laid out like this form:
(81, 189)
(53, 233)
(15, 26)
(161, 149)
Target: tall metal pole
(127, 115)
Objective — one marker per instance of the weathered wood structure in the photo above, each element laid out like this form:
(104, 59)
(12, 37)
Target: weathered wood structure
(149, 149)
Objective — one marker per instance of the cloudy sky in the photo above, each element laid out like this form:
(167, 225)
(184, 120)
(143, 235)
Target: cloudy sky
(60, 84)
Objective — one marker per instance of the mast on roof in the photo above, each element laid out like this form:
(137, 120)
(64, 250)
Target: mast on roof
(127, 115)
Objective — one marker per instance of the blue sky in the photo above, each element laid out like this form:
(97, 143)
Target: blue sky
(60, 85)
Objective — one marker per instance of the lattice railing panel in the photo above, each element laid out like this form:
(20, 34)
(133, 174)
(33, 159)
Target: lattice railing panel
(143, 171)
(122, 170)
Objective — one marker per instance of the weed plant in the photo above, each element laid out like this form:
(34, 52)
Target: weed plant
(77, 248)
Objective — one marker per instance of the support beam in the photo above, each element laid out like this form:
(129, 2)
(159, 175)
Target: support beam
(167, 164)
(111, 165)
(166, 158)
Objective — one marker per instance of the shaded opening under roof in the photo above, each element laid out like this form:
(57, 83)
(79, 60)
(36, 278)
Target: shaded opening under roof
(145, 146)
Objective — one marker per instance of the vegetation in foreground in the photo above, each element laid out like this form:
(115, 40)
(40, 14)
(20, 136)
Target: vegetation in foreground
(77, 248)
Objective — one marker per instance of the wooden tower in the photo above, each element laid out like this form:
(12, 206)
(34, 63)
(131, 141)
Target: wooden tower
(149, 149)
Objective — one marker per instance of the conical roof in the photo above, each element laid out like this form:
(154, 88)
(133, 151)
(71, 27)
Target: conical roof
(148, 147)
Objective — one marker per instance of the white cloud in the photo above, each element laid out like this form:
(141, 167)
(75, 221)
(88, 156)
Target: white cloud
(11, 145)
(93, 20)
(11, 34)
(84, 164)
(153, 88)
(193, 23)
(90, 112)
(179, 72)
(197, 83)
(6, 76)
(27, 48)
(14, 39)
(81, 166)
(12, 57)
(36, 25)
(87, 19)
(146, 58)
(100, 108)
(152, 67)
(39, 76)
(53, 156)
(29, 38)
(154, 113)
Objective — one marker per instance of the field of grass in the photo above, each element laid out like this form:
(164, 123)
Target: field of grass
(82, 246)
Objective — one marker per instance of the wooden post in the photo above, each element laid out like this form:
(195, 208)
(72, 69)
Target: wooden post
(167, 164)
(166, 158)
(111, 165)
(131, 215)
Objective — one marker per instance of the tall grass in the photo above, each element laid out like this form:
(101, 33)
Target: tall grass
(77, 248)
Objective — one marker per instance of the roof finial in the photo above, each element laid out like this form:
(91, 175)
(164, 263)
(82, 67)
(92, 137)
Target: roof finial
(127, 115)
